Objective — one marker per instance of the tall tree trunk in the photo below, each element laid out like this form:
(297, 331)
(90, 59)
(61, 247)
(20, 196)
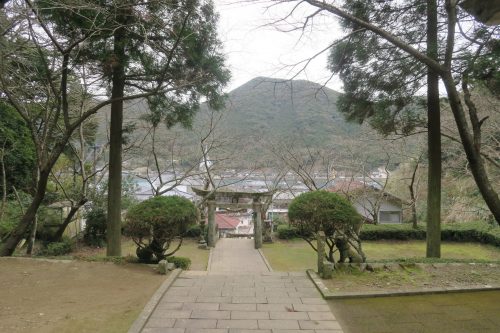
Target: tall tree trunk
(113, 233)
(433, 139)
(4, 181)
(29, 216)
(476, 163)
(32, 237)
(34, 226)
(490, 196)
(413, 197)
(470, 142)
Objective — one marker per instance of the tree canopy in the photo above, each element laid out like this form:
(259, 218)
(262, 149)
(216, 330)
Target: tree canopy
(18, 150)
(166, 52)
(329, 212)
(155, 223)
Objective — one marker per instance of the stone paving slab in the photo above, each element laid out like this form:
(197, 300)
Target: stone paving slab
(241, 305)
(237, 256)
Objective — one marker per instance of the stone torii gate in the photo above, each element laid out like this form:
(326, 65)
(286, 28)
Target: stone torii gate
(233, 200)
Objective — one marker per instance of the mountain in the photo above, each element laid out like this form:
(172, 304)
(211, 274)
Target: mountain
(258, 115)
(300, 110)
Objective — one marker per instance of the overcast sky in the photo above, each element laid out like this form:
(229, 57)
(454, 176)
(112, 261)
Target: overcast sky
(253, 48)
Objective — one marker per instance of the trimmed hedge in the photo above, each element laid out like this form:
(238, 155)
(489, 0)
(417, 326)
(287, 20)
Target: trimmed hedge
(391, 231)
(193, 231)
(459, 232)
(287, 232)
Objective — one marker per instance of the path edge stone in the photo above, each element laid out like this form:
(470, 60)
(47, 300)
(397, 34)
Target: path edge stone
(143, 317)
(327, 294)
(209, 264)
(265, 260)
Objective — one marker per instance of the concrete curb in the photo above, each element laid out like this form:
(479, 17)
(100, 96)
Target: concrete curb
(265, 260)
(209, 264)
(63, 261)
(327, 294)
(139, 323)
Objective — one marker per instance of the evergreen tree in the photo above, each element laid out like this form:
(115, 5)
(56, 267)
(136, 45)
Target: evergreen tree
(385, 59)
(167, 52)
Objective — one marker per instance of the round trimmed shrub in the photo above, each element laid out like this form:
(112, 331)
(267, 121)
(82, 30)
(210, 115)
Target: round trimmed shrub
(311, 212)
(287, 232)
(331, 213)
(155, 223)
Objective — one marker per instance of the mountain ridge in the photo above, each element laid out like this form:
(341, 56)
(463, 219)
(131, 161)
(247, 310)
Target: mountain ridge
(259, 114)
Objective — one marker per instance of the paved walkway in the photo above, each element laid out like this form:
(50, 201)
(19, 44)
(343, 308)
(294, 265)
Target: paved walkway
(240, 295)
(232, 255)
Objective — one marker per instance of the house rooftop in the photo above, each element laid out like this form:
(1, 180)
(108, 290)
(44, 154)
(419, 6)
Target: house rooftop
(356, 186)
(226, 222)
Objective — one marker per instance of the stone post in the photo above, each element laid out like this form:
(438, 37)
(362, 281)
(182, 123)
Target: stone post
(268, 231)
(211, 224)
(257, 229)
(320, 246)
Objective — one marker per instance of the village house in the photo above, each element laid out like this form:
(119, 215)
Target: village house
(373, 203)
(240, 223)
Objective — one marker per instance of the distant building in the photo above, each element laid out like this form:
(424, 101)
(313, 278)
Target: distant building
(374, 204)
(240, 223)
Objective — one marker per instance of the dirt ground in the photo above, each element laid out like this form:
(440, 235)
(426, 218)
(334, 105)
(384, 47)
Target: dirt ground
(38, 295)
(392, 277)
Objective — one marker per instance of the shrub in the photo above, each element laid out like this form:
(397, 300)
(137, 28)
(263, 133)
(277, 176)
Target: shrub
(155, 223)
(331, 213)
(6, 227)
(287, 232)
(392, 231)
(459, 232)
(58, 248)
(194, 231)
(95, 227)
(180, 262)
(49, 220)
(12, 213)
(277, 221)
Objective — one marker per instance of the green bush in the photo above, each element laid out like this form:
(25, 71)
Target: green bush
(11, 215)
(287, 232)
(194, 231)
(459, 232)
(332, 214)
(392, 231)
(313, 211)
(58, 248)
(49, 220)
(6, 226)
(180, 262)
(155, 223)
(95, 227)
(472, 232)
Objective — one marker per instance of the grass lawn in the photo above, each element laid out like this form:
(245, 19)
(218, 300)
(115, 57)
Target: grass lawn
(189, 248)
(458, 313)
(297, 255)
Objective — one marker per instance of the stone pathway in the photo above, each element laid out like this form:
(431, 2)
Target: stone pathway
(239, 295)
(233, 255)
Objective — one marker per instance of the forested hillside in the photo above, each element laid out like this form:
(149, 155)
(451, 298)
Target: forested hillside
(261, 114)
